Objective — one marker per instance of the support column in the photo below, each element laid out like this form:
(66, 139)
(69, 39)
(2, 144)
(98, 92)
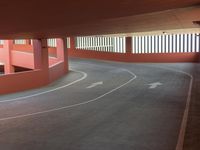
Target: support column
(44, 54)
(40, 52)
(27, 42)
(72, 43)
(37, 54)
(8, 45)
(41, 58)
(62, 53)
(129, 45)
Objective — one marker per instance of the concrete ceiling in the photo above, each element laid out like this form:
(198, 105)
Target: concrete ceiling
(44, 18)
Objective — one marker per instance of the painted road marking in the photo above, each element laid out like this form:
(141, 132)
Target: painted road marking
(74, 105)
(48, 91)
(95, 84)
(154, 85)
(180, 142)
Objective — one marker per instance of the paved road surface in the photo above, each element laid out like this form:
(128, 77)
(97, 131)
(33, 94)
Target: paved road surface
(123, 113)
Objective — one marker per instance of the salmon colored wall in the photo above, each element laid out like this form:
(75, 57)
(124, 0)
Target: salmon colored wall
(56, 71)
(129, 57)
(22, 59)
(19, 57)
(23, 56)
(29, 49)
(52, 61)
(52, 51)
(30, 79)
(14, 82)
(1, 55)
(23, 47)
(7, 47)
(22, 81)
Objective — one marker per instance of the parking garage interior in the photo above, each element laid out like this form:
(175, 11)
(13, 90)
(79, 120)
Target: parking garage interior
(100, 75)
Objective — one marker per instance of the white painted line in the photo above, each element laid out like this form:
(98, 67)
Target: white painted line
(181, 137)
(180, 142)
(94, 84)
(154, 85)
(48, 91)
(74, 105)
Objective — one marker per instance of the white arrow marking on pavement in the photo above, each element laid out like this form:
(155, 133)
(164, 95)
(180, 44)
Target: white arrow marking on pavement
(94, 84)
(154, 85)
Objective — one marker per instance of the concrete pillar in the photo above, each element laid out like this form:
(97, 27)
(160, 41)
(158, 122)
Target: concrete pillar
(129, 45)
(37, 54)
(62, 53)
(40, 52)
(41, 58)
(60, 49)
(44, 54)
(28, 42)
(72, 43)
(8, 45)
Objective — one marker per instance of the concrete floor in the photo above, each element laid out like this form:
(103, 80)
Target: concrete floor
(123, 113)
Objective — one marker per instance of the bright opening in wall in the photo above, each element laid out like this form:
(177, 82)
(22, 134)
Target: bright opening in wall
(166, 43)
(101, 43)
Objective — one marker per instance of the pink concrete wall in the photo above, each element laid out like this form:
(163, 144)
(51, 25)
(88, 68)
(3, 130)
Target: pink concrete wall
(56, 71)
(52, 51)
(30, 79)
(14, 82)
(22, 55)
(22, 59)
(29, 49)
(23, 47)
(129, 57)
(22, 81)
(53, 61)
(2, 56)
